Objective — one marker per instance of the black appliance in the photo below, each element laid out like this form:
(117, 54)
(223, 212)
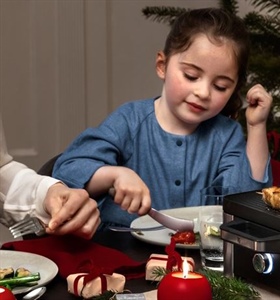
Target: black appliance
(251, 234)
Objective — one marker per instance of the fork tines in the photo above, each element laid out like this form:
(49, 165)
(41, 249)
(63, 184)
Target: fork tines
(29, 225)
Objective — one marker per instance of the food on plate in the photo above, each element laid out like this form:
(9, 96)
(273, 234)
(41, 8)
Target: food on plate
(184, 237)
(22, 272)
(20, 277)
(271, 196)
(212, 230)
(6, 273)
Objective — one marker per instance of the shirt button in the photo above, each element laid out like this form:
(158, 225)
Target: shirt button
(177, 182)
(179, 143)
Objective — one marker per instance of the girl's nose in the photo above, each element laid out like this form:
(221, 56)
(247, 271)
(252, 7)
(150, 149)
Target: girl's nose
(202, 91)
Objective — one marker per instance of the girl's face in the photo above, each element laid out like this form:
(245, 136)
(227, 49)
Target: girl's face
(197, 84)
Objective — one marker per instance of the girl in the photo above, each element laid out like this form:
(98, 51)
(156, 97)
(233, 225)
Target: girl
(163, 151)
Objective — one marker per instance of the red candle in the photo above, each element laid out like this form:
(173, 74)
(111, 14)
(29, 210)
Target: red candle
(184, 285)
(6, 294)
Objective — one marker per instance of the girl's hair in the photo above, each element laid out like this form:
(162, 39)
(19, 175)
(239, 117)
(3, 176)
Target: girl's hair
(216, 24)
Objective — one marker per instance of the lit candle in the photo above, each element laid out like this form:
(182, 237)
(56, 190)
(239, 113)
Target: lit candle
(184, 285)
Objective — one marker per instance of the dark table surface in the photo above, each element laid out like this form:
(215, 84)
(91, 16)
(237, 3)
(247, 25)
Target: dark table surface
(125, 242)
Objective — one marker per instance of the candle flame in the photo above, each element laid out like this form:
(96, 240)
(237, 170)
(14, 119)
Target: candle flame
(185, 268)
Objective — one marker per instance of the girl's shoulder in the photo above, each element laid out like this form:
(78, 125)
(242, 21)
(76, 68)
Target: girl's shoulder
(134, 111)
(140, 106)
(130, 115)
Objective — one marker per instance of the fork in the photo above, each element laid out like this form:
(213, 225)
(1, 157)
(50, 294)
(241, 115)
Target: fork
(29, 225)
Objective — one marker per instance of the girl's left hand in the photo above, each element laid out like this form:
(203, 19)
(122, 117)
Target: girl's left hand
(260, 102)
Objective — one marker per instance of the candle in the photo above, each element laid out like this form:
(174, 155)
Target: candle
(184, 285)
(6, 294)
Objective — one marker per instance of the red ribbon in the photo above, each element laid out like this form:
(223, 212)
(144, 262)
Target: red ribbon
(165, 259)
(75, 284)
(174, 258)
(94, 273)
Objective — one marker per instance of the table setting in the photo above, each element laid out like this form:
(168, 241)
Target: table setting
(148, 265)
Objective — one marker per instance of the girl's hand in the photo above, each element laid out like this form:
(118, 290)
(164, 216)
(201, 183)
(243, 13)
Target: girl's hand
(131, 193)
(260, 103)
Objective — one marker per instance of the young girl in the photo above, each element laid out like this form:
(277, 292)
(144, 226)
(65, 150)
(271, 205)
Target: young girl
(163, 151)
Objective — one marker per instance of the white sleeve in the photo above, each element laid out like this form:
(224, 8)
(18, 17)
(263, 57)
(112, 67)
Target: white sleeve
(26, 192)
(22, 190)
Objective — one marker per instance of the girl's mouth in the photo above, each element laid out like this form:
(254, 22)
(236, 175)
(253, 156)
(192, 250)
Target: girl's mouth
(195, 107)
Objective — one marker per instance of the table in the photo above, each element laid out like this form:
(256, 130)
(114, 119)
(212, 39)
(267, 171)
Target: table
(125, 242)
(139, 251)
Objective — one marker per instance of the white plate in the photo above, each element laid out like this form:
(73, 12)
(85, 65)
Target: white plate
(162, 237)
(32, 262)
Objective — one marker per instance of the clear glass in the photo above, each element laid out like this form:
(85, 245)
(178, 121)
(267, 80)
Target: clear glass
(210, 220)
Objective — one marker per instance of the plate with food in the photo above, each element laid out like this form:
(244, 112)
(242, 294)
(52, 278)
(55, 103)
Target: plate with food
(23, 271)
(185, 240)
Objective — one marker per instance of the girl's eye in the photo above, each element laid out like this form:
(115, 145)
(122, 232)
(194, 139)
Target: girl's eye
(220, 88)
(190, 77)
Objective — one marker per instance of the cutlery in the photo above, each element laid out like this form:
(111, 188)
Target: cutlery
(170, 222)
(35, 294)
(173, 223)
(29, 225)
(133, 229)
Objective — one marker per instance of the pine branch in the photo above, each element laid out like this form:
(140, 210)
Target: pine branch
(225, 288)
(229, 5)
(271, 6)
(262, 24)
(159, 272)
(164, 14)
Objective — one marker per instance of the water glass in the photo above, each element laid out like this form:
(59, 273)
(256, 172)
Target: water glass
(210, 220)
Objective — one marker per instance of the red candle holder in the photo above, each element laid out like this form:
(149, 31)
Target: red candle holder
(176, 286)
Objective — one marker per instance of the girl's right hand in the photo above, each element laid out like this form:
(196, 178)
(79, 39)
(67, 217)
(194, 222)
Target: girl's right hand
(131, 193)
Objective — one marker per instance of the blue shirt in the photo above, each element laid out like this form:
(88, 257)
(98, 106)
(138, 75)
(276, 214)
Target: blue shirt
(174, 167)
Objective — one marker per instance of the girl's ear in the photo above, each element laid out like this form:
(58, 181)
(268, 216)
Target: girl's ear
(161, 65)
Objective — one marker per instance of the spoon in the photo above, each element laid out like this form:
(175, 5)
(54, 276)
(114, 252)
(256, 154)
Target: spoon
(35, 294)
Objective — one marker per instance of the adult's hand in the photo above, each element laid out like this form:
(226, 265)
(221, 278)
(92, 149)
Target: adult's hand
(72, 211)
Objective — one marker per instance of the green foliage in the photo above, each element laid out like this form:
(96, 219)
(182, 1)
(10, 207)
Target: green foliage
(162, 14)
(224, 288)
(229, 5)
(264, 31)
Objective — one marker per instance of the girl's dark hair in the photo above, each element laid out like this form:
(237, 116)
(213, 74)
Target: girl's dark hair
(216, 24)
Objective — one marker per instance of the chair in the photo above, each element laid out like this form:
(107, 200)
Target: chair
(47, 168)
(275, 166)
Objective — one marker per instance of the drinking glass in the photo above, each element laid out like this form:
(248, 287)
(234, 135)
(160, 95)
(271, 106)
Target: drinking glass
(210, 220)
